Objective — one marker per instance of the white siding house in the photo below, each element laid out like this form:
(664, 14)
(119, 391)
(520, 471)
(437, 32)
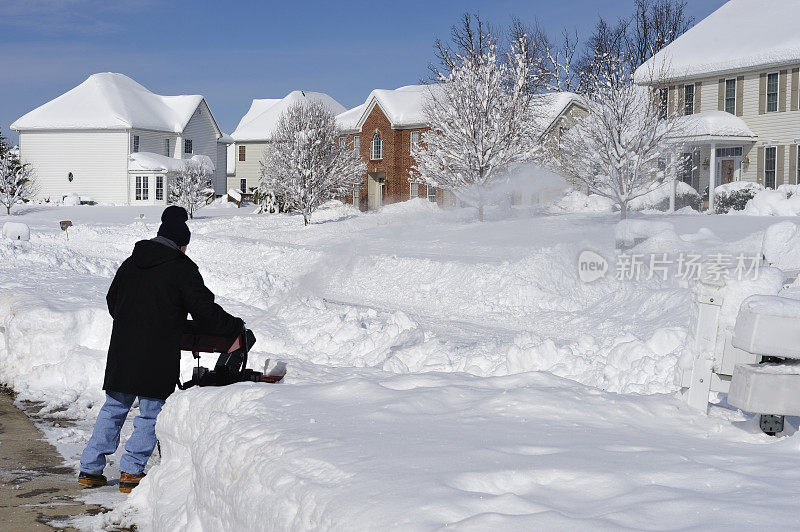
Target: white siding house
(98, 139)
(738, 68)
(255, 131)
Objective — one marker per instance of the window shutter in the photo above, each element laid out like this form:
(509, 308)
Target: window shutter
(739, 95)
(762, 97)
(795, 78)
(782, 91)
(698, 89)
(792, 177)
(671, 100)
(760, 165)
(780, 153)
(696, 167)
(721, 95)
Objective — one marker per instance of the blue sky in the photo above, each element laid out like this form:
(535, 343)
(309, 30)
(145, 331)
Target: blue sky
(232, 52)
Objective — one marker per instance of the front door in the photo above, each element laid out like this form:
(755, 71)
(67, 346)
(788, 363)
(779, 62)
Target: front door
(375, 184)
(727, 171)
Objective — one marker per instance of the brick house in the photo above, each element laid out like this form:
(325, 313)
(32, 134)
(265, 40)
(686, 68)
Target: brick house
(383, 129)
(386, 125)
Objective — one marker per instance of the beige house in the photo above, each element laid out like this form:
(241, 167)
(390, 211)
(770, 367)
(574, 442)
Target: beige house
(255, 130)
(736, 75)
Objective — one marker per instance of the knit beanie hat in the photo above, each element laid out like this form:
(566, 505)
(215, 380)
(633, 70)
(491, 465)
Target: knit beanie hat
(173, 225)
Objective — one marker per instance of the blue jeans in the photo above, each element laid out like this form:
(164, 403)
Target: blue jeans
(105, 437)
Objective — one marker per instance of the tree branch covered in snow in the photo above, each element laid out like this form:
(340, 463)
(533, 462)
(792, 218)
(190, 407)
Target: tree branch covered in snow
(17, 183)
(191, 184)
(481, 121)
(623, 146)
(305, 165)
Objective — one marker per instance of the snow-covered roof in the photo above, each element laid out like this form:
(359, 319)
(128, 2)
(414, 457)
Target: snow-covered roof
(547, 107)
(404, 107)
(112, 101)
(144, 161)
(740, 35)
(225, 139)
(260, 121)
(711, 124)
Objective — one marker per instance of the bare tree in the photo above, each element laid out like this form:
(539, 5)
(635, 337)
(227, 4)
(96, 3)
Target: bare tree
(17, 183)
(480, 117)
(624, 145)
(305, 164)
(655, 24)
(469, 38)
(191, 185)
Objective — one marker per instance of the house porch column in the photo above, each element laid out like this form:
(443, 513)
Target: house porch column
(712, 176)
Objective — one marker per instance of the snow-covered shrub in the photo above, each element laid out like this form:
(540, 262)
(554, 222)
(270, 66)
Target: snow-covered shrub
(191, 184)
(304, 165)
(17, 183)
(579, 202)
(773, 203)
(658, 197)
(734, 196)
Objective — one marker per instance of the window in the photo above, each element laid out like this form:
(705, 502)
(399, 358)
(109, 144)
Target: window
(770, 160)
(688, 99)
(136, 144)
(142, 192)
(414, 139)
(431, 194)
(243, 185)
(357, 143)
(377, 147)
(772, 92)
(356, 194)
(729, 152)
(663, 102)
(730, 96)
(414, 190)
(686, 168)
(187, 146)
(166, 148)
(159, 188)
(242, 153)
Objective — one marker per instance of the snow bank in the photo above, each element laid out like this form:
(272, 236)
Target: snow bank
(16, 231)
(71, 200)
(576, 201)
(424, 452)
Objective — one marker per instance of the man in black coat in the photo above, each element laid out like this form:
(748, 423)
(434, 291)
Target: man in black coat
(149, 299)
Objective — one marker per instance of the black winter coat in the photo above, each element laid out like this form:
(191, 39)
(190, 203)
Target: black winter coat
(149, 298)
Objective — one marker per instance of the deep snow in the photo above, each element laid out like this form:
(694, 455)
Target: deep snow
(411, 335)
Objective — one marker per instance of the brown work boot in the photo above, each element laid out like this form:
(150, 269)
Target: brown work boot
(127, 481)
(91, 480)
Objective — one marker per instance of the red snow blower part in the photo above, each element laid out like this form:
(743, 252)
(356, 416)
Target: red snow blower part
(231, 366)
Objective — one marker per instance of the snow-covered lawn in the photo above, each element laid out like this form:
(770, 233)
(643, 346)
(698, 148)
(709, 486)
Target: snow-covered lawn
(441, 372)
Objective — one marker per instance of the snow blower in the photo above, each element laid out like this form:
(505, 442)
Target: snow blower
(231, 366)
